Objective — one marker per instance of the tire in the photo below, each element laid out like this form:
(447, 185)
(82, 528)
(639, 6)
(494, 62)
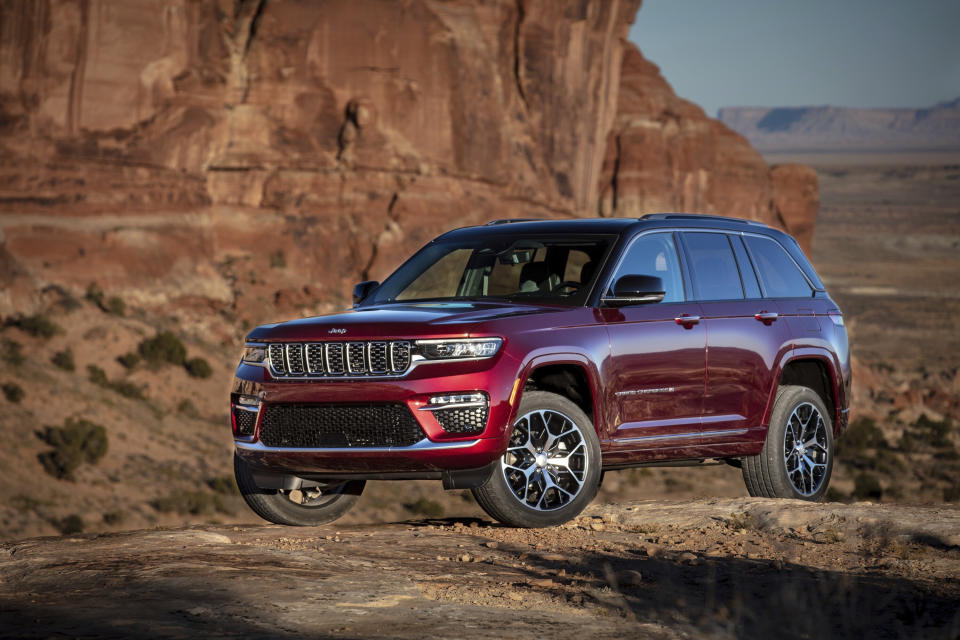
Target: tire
(797, 457)
(280, 507)
(532, 489)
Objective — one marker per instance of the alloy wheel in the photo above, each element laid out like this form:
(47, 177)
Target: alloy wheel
(805, 449)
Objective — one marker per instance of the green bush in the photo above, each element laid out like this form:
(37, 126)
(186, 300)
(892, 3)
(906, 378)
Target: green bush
(866, 486)
(129, 360)
(97, 376)
(863, 433)
(12, 392)
(425, 507)
(37, 325)
(77, 442)
(189, 502)
(224, 485)
(187, 408)
(116, 306)
(198, 368)
(127, 389)
(935, 433)
(162, 348)
(114, 517)
(63, 360)
(69, 525)
(12, 352)
(834, 495)
(278, 260)
(95, 294)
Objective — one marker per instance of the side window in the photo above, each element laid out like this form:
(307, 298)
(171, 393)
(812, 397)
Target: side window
(715, 273)
(654, 255)
(747, 274)
(779, 275)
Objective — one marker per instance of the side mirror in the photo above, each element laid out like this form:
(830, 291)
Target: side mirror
(362, 290)
(635, 289)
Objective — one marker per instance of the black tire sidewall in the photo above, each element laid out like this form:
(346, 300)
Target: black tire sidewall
(788, 399)
(274, 507)
(495, 496)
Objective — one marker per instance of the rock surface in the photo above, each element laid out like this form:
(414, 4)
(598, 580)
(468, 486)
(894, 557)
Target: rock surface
(175, 151)
(721, 568)
(665, 154)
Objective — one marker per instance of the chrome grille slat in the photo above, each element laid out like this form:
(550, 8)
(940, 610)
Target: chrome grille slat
(357, 359)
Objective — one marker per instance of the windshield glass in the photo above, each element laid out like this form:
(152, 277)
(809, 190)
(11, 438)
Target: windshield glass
(552, 270)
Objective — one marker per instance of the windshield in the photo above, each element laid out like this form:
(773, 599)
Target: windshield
(552, 270)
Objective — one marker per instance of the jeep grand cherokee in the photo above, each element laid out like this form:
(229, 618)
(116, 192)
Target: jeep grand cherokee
(523, 359)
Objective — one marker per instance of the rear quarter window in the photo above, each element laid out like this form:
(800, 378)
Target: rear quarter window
(779, 275)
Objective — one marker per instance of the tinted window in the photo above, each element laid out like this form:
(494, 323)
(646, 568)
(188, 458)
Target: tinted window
(654, 255)
(779, 275)
(715, 274)
(747, 275)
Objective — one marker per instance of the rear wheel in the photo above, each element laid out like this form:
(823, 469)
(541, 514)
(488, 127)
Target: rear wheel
(300, 507)
(551, 469)
(797, 457)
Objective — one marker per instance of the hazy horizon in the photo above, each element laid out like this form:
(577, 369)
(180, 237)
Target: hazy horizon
(754, 53)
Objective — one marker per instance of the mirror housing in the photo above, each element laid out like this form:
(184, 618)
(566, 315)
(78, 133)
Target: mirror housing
(635, 289)
(362, 289)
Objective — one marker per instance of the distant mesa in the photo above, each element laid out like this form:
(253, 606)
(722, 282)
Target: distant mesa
(839, 128)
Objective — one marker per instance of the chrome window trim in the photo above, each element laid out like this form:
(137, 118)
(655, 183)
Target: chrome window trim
(623, 255)
(423, 445)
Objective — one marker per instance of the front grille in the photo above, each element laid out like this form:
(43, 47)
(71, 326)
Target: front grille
(464, 420)
(323, 426)
(346, 359)
(245, 420)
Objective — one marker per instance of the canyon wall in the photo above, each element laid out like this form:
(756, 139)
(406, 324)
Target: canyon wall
(230, 163)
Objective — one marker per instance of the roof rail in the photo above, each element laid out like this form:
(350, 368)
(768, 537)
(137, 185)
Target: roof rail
(509, 220)
(698, 216)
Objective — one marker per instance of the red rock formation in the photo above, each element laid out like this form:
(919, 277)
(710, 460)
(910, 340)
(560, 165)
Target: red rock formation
(257, 157)
(665, 154)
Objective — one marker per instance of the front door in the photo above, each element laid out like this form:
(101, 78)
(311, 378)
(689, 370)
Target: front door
(656, 370)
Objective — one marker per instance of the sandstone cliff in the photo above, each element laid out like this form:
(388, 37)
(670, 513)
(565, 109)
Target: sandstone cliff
(175, 151)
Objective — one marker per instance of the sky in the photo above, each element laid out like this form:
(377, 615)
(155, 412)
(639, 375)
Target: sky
(786, 53)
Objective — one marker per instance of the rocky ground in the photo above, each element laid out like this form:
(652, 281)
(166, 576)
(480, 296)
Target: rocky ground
(662, 569)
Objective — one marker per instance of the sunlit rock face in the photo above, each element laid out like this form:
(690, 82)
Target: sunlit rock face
(249, 160)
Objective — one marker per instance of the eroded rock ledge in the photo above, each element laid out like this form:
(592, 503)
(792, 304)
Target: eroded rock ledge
(731, 567)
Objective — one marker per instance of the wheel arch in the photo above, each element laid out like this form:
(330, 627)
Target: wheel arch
(569, 375)
(813, 370)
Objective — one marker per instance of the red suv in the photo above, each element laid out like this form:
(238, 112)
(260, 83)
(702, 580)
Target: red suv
(523, 359)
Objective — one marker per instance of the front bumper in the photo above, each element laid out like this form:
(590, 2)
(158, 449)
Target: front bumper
(438, 452)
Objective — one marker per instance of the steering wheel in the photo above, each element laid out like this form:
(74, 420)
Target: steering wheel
(570, 285)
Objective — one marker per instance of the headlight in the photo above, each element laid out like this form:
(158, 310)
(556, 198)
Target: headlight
(474, 348)
(254, 354)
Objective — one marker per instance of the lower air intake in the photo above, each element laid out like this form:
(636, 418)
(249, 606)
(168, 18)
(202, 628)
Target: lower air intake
(325, 426)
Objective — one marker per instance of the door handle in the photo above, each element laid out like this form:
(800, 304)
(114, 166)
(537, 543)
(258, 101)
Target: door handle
(687, 321)
(767, 317)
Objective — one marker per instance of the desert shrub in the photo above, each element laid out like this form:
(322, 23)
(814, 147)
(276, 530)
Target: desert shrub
(12, 392)
(97, 376)
(834, 495)
(933, 432)
(163, 347)
(78, 441)
(886, 461)
(198, 368)
(187, 408)
(908, 442)
(425, 507)
(952, 493)
(863, 433)
(224, 485)
(127, 389)
(95, 294)
(116, 306)
(69, 525)
(12, 352)
(37, 325)
(63, 360)
(278, 260)
(743, 520)
(866, 486)
(189, 502)
(114, 517)
(129, 360)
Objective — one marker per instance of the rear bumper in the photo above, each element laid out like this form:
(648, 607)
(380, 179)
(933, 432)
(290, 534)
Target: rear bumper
(438, 452)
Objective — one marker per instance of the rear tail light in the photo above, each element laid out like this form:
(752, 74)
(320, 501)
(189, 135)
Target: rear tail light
(837, 318)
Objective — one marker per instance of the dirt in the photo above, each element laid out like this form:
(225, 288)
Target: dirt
(662, 569)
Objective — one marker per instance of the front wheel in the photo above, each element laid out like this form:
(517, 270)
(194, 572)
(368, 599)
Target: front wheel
(301, 507)
(797, 457)
(551, 469)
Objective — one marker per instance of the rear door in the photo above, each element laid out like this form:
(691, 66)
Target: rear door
(656, 371)
(745, 339)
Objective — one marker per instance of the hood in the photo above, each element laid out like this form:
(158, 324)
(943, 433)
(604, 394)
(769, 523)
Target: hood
(414, 320)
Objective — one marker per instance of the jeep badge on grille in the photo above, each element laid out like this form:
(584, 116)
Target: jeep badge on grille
(337, 331)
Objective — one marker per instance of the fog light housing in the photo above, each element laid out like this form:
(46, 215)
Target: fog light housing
(460, 412)
(244, 411)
